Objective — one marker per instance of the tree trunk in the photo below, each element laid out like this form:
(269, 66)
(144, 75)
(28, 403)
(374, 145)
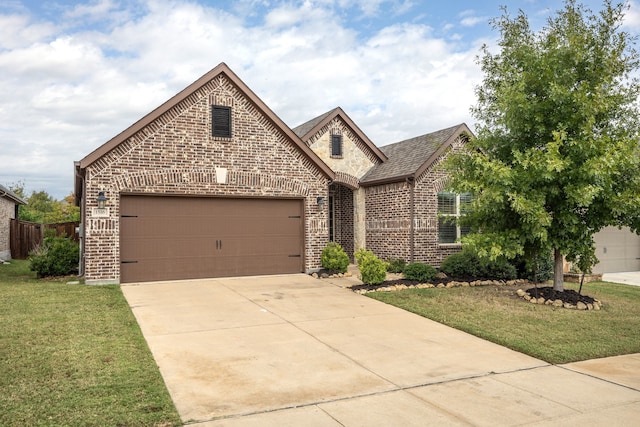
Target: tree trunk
(558, 271)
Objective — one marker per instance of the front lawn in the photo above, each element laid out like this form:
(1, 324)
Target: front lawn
(555, 335)
(74, 355)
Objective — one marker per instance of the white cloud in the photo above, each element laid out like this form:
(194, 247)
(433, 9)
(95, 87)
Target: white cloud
(632, 16)
(64, 92)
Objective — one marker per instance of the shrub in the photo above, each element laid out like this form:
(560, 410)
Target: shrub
(498, 269)
(396, 266)
(461, 264)
(56, 256)
(373, 270)
(420, 271)
(543, 264)
(334, 258)
(467, 264)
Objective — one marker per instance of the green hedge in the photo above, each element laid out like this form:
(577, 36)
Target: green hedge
(467, 264)
(56, 256)
(420, 271)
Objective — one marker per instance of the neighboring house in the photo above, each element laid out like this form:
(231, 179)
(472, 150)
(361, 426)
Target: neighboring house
(212, 183)
(617, 249)
(9, 202)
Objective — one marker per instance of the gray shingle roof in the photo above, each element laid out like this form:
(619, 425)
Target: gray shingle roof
(304, 128)
(5, 192)
(408, 156)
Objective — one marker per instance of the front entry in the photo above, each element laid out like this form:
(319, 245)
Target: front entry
(341, 217)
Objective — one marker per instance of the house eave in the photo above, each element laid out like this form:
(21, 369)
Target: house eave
(222, 68)
(390, 180)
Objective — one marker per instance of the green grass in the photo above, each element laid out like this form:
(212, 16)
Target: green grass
(73, 355)
(555, 335)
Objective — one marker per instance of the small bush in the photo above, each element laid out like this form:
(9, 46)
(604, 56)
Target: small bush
(420, 271)
(396, 266)
(334, 258)
(498, 269)
(56, 256)
(543, 264)
(467, 264)
(461, 264)
(373, 270)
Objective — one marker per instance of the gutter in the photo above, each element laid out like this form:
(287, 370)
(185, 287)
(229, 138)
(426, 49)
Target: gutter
(412, 213)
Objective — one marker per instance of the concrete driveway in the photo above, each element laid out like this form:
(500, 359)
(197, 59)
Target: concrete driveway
(626, 277)
(293, 350)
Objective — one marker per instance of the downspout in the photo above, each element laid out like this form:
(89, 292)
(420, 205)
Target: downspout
(412, 213)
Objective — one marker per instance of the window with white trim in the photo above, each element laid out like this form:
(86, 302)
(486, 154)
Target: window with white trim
(450, 207)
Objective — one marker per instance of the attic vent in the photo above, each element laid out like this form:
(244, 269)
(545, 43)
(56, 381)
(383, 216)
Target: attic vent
(336, 145)
(221, 121)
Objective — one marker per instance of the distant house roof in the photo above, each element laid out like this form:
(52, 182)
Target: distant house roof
(411, 157)
(8, 194)
(310, 128)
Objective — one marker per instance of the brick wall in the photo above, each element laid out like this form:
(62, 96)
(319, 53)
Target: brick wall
(389, 218)
(176, 154)
(7, 212)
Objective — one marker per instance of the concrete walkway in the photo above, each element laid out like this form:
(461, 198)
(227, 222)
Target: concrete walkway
(292, 350)
(628, 277)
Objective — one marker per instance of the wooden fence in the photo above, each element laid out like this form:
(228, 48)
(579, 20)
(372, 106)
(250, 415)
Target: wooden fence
(26, 236)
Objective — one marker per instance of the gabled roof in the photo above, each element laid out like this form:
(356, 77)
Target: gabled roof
(222, 68)
(8, 194)
(411, 157)
(310, 128)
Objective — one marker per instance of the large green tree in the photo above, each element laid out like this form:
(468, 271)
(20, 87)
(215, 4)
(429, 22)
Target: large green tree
(556, 156)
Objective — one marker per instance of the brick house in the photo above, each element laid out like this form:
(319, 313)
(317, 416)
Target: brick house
(9, 202)
(212, 183)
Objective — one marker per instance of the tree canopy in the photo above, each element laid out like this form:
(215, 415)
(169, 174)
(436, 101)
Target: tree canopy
(44, 209)
(557, 154)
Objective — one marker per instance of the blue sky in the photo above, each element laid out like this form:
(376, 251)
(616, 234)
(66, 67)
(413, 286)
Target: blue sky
(73, 74)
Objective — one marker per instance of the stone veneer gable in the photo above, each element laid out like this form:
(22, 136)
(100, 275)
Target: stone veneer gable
(176, 154)
(356, 160)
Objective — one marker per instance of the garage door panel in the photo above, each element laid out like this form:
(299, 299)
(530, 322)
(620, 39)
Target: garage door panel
(165, 238)
(617, 250)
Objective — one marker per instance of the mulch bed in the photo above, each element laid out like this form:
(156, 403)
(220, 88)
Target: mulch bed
(568, 296)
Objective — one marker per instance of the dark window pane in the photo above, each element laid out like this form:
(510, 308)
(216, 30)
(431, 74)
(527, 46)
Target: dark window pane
(336, 145)
(221, 121)
(446, 203)
(447, 230)
(465, 203)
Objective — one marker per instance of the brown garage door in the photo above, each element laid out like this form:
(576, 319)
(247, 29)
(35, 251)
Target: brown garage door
(168, 238)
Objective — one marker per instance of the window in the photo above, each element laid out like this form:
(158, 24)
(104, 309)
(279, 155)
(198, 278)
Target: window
(221, 121)
(450, 207)
(336, 145)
